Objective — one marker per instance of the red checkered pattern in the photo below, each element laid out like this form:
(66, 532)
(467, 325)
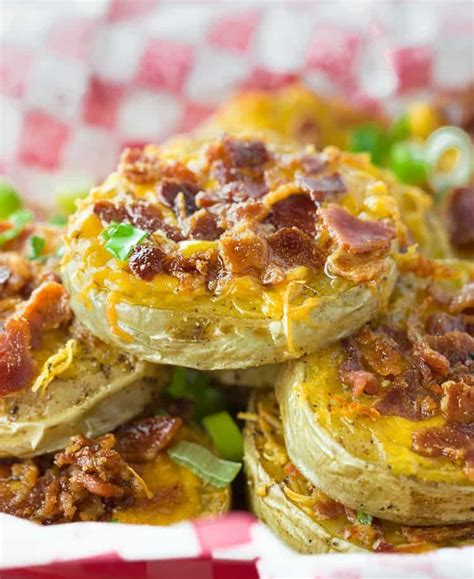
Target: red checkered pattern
(81, 80)
(77, 84)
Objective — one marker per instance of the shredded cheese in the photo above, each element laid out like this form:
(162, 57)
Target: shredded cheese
(141, 482)
(112, 299)
(55, 365)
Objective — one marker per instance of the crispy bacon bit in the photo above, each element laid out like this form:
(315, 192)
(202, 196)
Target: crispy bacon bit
(15, 274)
(142, 440)
(353, 374)
(357, 268)
(168, 190)
(203, 225)
(327, 508)
(245, 154)
(16, 363)
(47, 308)
(461, 216)
(455, 346)
(141, 214)
(291, 470)
(434, 360)
(361, 382)
(457, 403)
(147, 261)
(178, 171)
(441, 323)
(439, 534)
(380, 351)
(244, 254)
(294, 211)
(96, 466)
(106, 211)
(353, 234)
(454, 441)
(313, 164)
(291, 247)
(319, 188)
(140, 166)
(145, 216)
(407, 398)
(365, 535)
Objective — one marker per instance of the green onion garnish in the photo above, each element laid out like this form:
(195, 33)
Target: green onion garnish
(364, 519)
(407, 161)
(441, 142)
(121, 238)
(58, 220)
(399, 130)
(206, 465)
(9, 200)
(18, 220)
(194, 385)
(370, 138)
(225, 434)
(37, 245)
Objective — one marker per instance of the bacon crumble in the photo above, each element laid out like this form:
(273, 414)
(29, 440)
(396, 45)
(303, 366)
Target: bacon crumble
(354, 234)
(225, 195)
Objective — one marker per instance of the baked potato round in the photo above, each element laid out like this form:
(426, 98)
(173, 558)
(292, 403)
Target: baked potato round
(239, 253)
(289, 114)
(55, 379)
(126, 476)
(295, 114)
(383, 421)
(306, 518)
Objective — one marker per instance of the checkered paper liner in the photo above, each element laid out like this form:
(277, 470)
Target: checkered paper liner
(79, 81)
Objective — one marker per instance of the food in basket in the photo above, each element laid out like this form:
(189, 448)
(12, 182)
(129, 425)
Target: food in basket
(306, 518)
(131, 476)
(246, 252)
(383, 421)
(55, 378)
(233, 252)
(397, 144)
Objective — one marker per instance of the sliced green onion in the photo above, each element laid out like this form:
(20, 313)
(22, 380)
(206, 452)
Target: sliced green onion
(207, 466)
(400, 129)
(18, 220)
(225, 434)
(370, 138)
(121, 238)
(364, 518)
(407, 161)
(58, 220)
(69, 190)
(194, 385)
(9, 200)
(440, 142)
(37, 245)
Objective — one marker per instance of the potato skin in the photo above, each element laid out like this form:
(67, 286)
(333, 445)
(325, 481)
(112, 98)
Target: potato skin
(208, 341)
(364, 486)
(93, 397)
(293, 525)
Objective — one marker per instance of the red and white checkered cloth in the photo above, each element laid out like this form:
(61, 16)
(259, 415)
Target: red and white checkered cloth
(79, 80)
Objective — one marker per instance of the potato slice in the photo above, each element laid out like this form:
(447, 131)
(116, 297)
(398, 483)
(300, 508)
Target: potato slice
(306, 518)
(267, 285)
(381, 423)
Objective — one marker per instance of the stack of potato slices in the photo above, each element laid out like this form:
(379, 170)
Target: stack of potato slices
(254, 253)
